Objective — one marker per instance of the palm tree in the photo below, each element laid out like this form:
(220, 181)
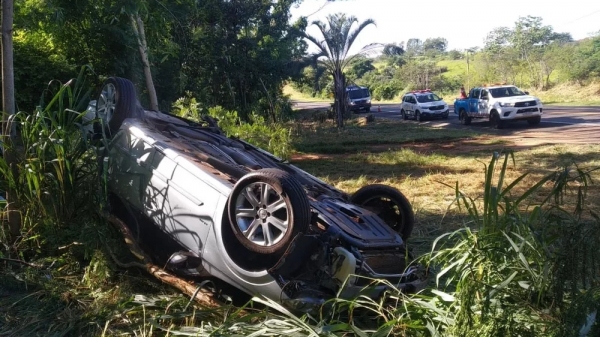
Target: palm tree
(338, 37)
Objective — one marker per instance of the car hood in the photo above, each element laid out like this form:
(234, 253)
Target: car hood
(515, 99)
(428, 104)
(358, 226)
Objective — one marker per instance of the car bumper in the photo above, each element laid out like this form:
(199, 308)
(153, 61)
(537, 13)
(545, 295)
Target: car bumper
(436, 113)
(520, 113)
(361, 106)
(375, 289)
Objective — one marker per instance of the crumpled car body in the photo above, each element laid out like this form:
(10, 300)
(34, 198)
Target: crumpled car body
(227, 209)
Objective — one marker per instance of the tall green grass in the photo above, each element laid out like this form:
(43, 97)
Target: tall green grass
(55, 181)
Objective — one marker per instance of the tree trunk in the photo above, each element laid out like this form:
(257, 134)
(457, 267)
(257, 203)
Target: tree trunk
(140, 34)
(8, 102)
(339, 90)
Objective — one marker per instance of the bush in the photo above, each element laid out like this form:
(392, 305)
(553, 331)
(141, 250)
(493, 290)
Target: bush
(273, 137)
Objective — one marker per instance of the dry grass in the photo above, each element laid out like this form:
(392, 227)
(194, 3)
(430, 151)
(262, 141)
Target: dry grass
(571, 94)
(428, 168)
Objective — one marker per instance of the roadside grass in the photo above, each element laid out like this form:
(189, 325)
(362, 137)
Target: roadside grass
(296, 95)
(325, 138)
(426, 164)
(570, 94)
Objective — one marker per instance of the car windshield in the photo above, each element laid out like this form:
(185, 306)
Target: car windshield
(506, 92)
(358, 93)
(428, 98)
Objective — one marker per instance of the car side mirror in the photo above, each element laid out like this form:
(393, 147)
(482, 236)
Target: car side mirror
(526, 92)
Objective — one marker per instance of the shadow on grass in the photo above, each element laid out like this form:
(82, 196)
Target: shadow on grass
(341, 168)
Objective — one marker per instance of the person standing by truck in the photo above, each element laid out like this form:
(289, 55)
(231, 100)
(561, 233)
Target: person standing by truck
(463, 94)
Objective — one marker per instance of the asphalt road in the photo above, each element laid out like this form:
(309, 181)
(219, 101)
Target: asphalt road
(560, 124)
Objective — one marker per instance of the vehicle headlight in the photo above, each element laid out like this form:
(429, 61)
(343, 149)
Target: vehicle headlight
(352, 103)
(507, 105)
(368, 101)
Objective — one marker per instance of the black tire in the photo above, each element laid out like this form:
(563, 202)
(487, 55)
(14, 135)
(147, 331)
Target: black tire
(464, 119)
(418, 116)
(534, 120)
(390, 204)
(404, 115)
(296, 210)
(122, 104)
(497, 123)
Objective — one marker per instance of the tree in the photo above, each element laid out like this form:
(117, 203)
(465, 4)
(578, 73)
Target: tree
(436, 45)
(414, 47)
(393, 49)
(8, 107)
(530, 46)
(338, 37)
(360, 66)
(140, 33)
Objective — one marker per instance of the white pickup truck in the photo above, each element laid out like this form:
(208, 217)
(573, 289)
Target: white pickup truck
(500, 104)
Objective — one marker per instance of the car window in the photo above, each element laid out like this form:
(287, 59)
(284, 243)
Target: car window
(506, 92)
(475, 93)
(484, 94)
(140, 150)
(428, 98)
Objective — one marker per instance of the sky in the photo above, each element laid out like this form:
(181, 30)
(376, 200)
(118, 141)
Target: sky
(464, 24)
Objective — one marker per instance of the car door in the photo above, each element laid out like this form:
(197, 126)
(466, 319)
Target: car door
(474, 100)
(404, 104)
(413, 104)
(129, 170)
(484, 99)
(190, 206)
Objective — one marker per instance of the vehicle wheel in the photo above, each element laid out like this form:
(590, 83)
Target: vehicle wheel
(418, 116)
(497, 123)
(117, 101)
(444, 116)
(404, 115)
(464, 119)
(534, 120)
(267, 209)
(389, 204)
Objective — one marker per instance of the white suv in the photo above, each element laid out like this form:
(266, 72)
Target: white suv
(423, 104)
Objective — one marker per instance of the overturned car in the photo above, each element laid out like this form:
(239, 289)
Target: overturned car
(224, 208)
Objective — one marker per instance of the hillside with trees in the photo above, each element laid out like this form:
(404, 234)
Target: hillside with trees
(529, 54)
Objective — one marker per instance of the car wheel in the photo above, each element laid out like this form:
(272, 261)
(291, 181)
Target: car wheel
(497, 123)
(464, 118)
(267, 209)
(534, 120)
(117, 101)
(418, 116)
(389, 204)
(404, 115)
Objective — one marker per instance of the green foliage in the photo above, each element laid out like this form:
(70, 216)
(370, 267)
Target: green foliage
(272, 137)
(525, 264)
(55, 180)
